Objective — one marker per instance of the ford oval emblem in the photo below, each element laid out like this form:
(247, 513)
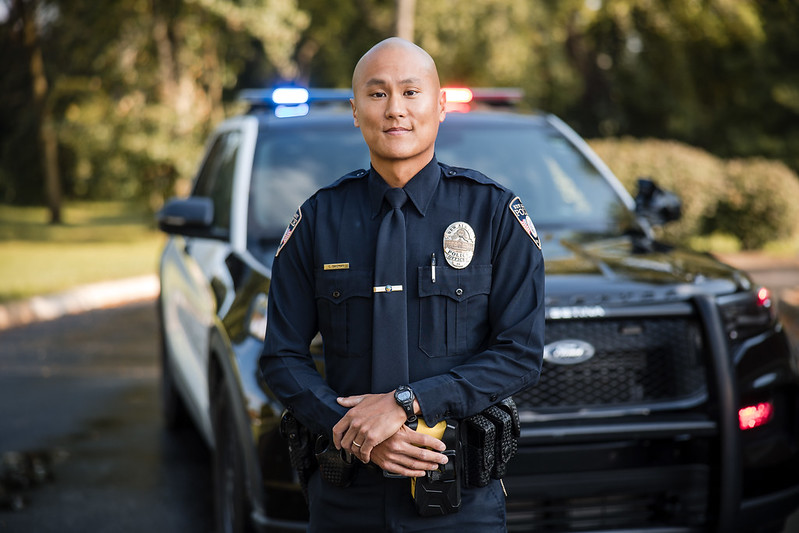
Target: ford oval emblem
(568, 352)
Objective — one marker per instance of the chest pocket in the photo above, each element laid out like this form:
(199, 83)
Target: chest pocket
(453, 312)
(344, 307)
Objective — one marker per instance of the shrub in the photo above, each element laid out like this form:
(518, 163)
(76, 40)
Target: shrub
(759, 204)
(753, 200)
(693, 174)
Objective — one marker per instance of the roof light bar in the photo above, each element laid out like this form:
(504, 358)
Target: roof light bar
(461, 99)
(289, 102)
(293, 96)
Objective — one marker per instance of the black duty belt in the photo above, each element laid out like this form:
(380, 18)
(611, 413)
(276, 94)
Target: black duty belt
(479, 449)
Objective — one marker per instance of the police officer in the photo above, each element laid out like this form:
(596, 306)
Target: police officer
(457, 328)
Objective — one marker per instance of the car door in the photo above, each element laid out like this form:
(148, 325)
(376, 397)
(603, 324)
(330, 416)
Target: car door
(193, 271)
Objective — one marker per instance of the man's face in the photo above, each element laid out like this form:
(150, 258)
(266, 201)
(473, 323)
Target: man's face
(398, 105)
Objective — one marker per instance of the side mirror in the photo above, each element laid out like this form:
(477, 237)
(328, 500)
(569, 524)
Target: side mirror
(192, 217)
(655, 204)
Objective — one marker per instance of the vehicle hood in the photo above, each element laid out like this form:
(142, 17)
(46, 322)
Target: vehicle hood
(585, 269)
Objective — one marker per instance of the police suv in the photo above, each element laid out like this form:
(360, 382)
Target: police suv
(668, 394)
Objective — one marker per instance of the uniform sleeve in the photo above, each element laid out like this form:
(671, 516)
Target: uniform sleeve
(514, 353)
(286, 362)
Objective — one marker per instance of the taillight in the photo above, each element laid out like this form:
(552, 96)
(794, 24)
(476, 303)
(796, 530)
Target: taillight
(753, 416)
(763, 297)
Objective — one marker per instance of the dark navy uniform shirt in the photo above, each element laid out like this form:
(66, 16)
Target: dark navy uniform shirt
(475, 336)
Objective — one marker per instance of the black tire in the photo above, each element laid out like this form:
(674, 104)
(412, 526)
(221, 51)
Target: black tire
(173, 409)
(231, 507)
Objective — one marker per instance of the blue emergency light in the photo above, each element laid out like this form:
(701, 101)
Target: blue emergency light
(290, 95)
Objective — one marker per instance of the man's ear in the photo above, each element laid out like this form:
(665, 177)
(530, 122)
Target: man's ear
(442, 105)
(354, 113)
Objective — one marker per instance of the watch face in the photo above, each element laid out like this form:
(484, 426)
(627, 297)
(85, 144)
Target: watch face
(403, 395)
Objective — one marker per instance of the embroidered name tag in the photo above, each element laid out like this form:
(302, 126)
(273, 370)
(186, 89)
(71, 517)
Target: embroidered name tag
(337, 266)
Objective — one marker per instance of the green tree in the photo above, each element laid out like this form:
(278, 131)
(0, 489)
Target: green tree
(136, 86)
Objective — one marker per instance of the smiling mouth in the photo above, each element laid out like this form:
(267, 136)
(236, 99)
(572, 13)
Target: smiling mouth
(396, 131)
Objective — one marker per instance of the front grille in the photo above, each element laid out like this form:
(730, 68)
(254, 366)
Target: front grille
(637, 361)
(685, 508)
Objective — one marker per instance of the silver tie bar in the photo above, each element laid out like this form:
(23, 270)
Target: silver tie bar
(387, 288)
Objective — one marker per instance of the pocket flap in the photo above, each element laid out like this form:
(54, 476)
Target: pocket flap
(455, 284)
(339, 285)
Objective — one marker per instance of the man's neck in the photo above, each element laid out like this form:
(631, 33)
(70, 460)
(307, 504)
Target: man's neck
(397, 173)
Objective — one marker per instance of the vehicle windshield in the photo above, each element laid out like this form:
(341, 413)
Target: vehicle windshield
(558, 185)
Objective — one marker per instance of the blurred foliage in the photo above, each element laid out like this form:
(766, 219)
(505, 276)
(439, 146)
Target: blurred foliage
(694, 174)
(136, 85)
(760, 204)
(752, 200)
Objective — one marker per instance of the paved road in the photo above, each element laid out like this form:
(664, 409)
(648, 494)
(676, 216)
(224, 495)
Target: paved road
(82, 392)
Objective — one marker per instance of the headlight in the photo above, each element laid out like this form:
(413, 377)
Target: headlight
(256, 320)
(747, 314)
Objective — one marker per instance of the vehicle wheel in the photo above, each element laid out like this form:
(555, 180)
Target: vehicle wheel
(172, 407)
(230, 494)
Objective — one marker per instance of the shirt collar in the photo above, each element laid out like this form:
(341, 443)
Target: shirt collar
(420, 188)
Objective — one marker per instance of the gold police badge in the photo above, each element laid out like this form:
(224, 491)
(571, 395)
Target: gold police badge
(459, 243)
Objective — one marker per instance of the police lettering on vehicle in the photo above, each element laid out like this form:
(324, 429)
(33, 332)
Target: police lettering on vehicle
(459, 241)
(518, 210)
(295, 221)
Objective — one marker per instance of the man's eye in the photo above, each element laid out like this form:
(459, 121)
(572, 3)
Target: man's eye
(378, 94)
(411, 92)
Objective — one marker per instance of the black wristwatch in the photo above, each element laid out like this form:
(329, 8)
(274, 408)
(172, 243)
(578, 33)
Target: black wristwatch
(404, 396)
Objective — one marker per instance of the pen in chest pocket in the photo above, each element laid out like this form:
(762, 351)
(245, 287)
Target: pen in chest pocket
(433, 267)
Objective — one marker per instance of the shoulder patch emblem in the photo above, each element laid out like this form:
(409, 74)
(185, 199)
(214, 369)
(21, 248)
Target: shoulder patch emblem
(517, 208)
(295, 221)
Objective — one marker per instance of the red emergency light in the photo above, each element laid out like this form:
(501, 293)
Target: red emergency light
(458, 95)
(458, 99)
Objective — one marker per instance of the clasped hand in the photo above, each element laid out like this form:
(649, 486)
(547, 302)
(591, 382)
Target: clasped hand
(374, 430)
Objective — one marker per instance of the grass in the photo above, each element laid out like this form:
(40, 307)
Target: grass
(97, 242)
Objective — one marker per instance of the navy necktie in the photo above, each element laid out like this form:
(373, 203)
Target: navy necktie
(390, 318)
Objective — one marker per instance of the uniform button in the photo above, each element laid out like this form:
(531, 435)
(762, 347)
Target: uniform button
(336, 294)
(451, 172)
(458, 292)
(493, 397)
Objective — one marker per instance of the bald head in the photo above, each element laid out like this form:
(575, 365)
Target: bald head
(396, 48)
(398, 104)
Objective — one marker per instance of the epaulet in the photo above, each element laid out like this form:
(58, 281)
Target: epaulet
(468, 173)
(355, 174)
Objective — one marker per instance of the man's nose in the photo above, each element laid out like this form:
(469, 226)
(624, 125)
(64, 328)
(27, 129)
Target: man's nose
(395, 106)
